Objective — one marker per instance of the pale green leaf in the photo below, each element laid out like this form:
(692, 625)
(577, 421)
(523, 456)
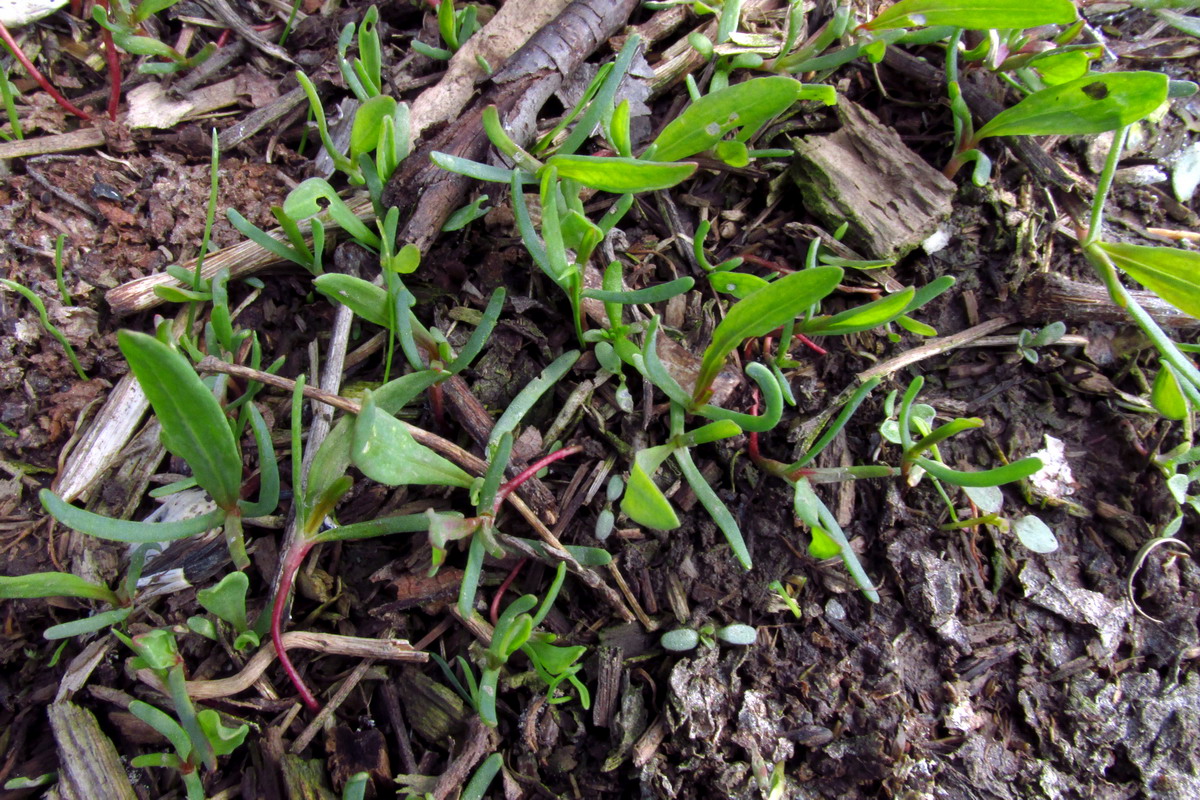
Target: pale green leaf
(1171, 273)
(621, 175)
(386, 452)
(974, 14)
(1092, 104)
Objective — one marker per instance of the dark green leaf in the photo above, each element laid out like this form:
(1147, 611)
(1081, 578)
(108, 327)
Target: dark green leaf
(193, 425)
(774, 305)
(1092, 104)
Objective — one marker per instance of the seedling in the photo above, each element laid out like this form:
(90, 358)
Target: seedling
(455, 28)
(1028, 341)
(197, 739)
(47, 325)
(554, 664)
(681, 640)
(195, 428)
(123, 22)
(227, 602)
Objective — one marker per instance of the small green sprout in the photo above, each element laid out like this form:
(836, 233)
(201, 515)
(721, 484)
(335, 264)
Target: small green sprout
(47, 325)
(682, 640)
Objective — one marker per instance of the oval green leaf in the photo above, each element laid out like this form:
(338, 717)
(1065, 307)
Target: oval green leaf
(974, 14)
(193, 424)
(748, 105)
(621, 175)
(1092, 104)
(364, 298)
(644, 502)
(1172, 274)
(387, 453)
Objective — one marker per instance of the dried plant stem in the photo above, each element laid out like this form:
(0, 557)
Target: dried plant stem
(328, 643)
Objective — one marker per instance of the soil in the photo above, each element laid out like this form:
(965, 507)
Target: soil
(985, 671)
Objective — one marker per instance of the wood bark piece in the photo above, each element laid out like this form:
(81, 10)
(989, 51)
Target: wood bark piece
(505, 33)
(108, 432)
(89, 764)
(426, 194)
(865, 175)
(1050, 297)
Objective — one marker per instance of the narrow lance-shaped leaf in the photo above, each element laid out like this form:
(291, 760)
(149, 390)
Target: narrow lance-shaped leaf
(193, 425)
(763, 311)
(974, 14)
(1171, 273)
(1094, 103)
(621, 175)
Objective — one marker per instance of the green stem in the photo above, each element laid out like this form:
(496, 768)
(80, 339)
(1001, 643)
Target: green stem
(1103, 186)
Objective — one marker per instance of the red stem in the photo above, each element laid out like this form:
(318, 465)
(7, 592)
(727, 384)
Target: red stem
(811, 345)
(38, 76)
(437, 405)
(495, 608)
(289, 568)
(533, 469)
(114, 68)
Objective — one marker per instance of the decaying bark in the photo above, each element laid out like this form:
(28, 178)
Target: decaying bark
(864, 174)
(89, 764)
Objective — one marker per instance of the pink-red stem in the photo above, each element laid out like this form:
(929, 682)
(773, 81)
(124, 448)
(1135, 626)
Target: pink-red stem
(533, 469)
(114, 69)
(38, 76)
(290, 567)
(494, 611)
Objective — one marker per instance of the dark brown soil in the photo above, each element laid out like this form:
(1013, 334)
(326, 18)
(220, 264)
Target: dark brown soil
(986, 671)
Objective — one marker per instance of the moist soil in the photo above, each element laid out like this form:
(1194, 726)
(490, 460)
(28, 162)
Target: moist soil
(985, 671)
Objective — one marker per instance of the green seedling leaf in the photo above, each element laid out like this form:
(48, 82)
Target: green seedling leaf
(316, 195)
(822, 545)
(738, 284)
(974, 14)
(333, 457)
(644, 502)
(988, 477)
(467, 214)
(362, 297)
(472, 169)
(1172, 274)
(747, 106)
(368, 121)
(525, 399)
(776, 304)
(1165, 395)
(1064, 67)
(1092, 104)
(386, 452)
(482, 779)
(96, 622)
(587, 556)
(735, 154)
(227, 600)
(715, 508)
(223, 740)
(621, 175)
(989, 499)
(193, 425)
(119, 530)
(203, 626)
(860, 318)
(53, 584)
(738, 634)
(162, 722)
(651, 294)
(680, 640)
(1035, 534)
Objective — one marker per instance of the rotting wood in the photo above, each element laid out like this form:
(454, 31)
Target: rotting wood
(1050, 297)
(108, 432)
(865, 175)
(89, 766)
